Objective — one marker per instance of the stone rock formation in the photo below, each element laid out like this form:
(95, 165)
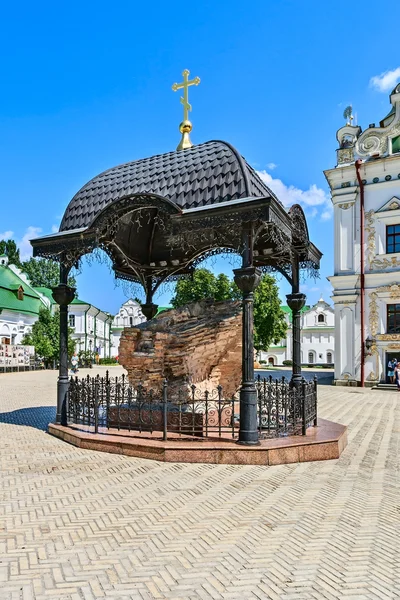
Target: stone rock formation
(200, 343)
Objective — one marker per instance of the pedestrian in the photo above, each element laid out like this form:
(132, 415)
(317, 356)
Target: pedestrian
(74, 363)
(397, 375)
(390, 372)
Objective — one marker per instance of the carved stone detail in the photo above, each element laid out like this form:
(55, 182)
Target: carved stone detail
(377, 142)
(373, 314)
(394, 346)
(346, 206)
(372, 376)
(394, 290)
(370, 229)
(373, 260)
(345, 155)
(386, 337)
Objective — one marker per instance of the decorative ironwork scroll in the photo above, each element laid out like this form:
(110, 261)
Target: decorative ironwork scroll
(109, 404)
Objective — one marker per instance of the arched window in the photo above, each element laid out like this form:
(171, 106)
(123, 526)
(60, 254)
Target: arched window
(321, 318)
(310, 358)
(131, 321)
(271, 361)
(329, 358)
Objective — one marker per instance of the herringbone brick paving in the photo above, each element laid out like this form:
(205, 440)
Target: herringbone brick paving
(77, 524)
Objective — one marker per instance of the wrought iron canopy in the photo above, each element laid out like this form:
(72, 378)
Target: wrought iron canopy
(158, 217)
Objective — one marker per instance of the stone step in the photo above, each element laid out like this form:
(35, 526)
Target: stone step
(388, 387)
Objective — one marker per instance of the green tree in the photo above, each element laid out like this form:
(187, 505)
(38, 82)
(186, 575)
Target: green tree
(44, 273)
(9, 248)
(200, 286)
(269, 319)
(45, 336)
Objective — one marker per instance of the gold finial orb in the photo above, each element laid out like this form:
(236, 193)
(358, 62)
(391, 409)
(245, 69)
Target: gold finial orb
(185, 126)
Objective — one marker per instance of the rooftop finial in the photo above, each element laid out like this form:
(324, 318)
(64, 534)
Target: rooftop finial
(185, 127)
(348, 114)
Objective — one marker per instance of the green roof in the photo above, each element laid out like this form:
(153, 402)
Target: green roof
(77, 301)
(161, 309)
(9, 284)
(288, 310)
(45, 292)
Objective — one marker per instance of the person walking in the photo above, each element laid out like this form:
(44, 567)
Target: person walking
(390, 371)
(74, 363)
(397, 375)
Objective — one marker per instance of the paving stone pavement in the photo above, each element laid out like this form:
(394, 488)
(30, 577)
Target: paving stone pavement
(78, 524)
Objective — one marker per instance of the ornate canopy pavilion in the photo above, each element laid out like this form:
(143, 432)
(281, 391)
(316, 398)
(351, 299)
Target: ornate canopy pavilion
(157, 218)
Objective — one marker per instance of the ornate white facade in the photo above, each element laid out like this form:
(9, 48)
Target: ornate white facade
(376, 154)
(317, 338)
(129, 315)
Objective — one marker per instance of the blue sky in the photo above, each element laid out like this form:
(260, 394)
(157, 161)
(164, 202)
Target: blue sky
(87, 86)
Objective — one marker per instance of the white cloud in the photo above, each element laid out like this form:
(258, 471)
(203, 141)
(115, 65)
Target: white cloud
(312, 200)
(271, 166)
(6, 235)
(54, 229)
(25, 248)
(386, 81)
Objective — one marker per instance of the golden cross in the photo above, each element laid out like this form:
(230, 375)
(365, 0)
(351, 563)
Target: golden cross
(185, 85)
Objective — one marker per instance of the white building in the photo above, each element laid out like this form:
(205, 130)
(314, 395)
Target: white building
(92, 328)
(366, 280)
(129, 315)
(317, 337)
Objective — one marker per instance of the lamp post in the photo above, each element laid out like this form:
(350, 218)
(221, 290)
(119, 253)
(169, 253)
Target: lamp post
(369, 343)
(63, 295)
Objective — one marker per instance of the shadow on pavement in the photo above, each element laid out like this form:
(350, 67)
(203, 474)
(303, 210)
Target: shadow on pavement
(324, 378)
(37, 416)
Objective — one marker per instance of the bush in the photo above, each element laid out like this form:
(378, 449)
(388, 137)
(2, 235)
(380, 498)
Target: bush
(287, 363)
(108, 361)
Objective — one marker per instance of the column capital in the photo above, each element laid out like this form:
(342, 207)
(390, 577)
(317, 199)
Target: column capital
(247, 278)
(296, 301)
(149, 310)
(63, 294)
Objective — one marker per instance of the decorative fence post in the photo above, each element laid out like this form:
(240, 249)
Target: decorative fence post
(315, 401)
(165, 409)
(96, 404)
(303, 407)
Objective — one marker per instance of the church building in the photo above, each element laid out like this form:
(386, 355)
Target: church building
(365, 187)
(316, 336)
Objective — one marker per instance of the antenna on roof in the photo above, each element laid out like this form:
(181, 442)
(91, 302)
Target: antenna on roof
(348, 114)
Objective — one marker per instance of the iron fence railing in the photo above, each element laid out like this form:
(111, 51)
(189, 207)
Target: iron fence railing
(112, 403)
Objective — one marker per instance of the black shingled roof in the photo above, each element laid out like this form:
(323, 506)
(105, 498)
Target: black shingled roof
(205, 174)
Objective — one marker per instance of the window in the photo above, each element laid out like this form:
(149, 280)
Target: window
(393, 318)
(329, 358)
(396, 144)
(131, 321)
(310, 358)
(392, 239)
(321, 318)
(71, 320)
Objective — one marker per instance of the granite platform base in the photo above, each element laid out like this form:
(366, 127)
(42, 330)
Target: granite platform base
(325, 442)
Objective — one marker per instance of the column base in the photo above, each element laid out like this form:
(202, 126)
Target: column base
(248, 431)
(62, 391)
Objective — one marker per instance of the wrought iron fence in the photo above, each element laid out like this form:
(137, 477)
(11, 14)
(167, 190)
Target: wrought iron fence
(112, 403)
